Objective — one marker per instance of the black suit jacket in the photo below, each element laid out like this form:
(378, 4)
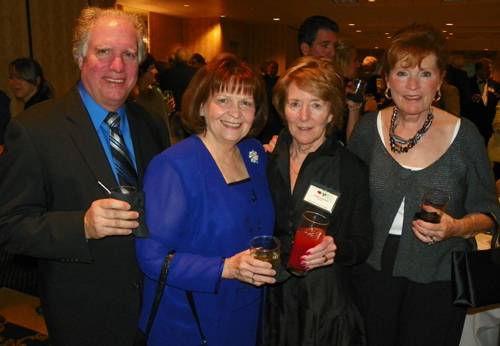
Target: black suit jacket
(4, 114)
(459, 79)
(90, 290)
(177, 79)
(482, 116)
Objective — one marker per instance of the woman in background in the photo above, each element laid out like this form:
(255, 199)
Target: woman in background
(28, 83)
(345, 57)
(148, 94)
(206, 198)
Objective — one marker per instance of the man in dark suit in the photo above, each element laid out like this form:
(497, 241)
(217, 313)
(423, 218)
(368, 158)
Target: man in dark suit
(177, 79)
(456, 76)
(4, 116)
(484, 100)
(51, 205)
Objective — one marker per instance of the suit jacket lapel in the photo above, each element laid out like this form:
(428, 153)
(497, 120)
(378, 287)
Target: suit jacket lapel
(137, 131)
(86, 139)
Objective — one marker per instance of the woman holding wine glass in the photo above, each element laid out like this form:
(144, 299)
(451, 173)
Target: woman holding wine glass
(316, 309)
(410, 148)
(206, 198)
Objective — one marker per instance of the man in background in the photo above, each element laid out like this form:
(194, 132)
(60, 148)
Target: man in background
(177, 77)
(4, 116)
(317, 37)
(484, 101)
(51, 204)
(457, 77)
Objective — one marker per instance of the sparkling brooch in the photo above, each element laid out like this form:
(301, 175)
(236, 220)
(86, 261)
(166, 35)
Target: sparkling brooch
(253, 156)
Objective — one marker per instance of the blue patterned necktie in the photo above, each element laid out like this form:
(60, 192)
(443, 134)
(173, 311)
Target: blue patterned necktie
(127, 174)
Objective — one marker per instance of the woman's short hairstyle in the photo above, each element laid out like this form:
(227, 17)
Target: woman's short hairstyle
(344, 54)
(319, 77)
(412, 44)
(88, 19)
(29, 70)
(144, 66)
(199, 59)
(225, 73)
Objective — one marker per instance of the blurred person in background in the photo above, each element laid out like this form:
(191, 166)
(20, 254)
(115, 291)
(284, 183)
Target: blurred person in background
(28, 83)
(346, 58)
(197, 61)
(4, 117)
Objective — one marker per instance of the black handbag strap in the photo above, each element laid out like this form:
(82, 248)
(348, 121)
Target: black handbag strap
(159, 290)
(494, 239)
(189, 296)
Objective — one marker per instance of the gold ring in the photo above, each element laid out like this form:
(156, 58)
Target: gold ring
(253, 278)
(326, 259)
(432, 242)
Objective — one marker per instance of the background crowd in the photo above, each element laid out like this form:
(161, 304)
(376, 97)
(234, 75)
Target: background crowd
(181, 130)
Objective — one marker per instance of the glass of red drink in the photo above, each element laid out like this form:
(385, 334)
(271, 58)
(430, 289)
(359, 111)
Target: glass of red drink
(437, 199)
(311, 231)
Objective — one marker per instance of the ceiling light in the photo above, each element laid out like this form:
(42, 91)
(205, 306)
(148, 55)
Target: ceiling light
(186, 5)
(351, 24)
(358, 30)
(345, 1)
(450, 33)
(222, 16)
(486, 49)
(455, 0)
(371, 0)
(276, 19)
(449, 24)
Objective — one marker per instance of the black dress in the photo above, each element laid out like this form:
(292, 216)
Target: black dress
(319, 309)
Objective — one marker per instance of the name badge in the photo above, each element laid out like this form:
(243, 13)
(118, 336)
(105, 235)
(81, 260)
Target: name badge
(321, 197)
(490, 89)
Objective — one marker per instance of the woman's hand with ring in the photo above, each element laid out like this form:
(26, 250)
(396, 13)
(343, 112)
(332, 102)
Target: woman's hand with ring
(321, 255)
(432, 233)
(245, 268)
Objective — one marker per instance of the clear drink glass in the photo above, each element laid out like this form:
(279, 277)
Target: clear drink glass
(266, 248)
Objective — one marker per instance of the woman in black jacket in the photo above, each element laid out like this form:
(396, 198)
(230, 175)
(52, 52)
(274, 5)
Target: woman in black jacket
(310, 170)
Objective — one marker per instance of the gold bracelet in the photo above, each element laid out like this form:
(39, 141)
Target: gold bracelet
(474, 228)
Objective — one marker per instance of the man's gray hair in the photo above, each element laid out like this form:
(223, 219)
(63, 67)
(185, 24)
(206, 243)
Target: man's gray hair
(88, 19)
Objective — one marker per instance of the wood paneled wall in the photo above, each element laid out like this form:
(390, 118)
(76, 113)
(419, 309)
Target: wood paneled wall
(50, 25)
(203, 36)
(271, 42)
(165, 34)
(211, 36)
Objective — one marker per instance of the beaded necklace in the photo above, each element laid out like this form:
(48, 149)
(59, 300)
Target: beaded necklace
(398, 142)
